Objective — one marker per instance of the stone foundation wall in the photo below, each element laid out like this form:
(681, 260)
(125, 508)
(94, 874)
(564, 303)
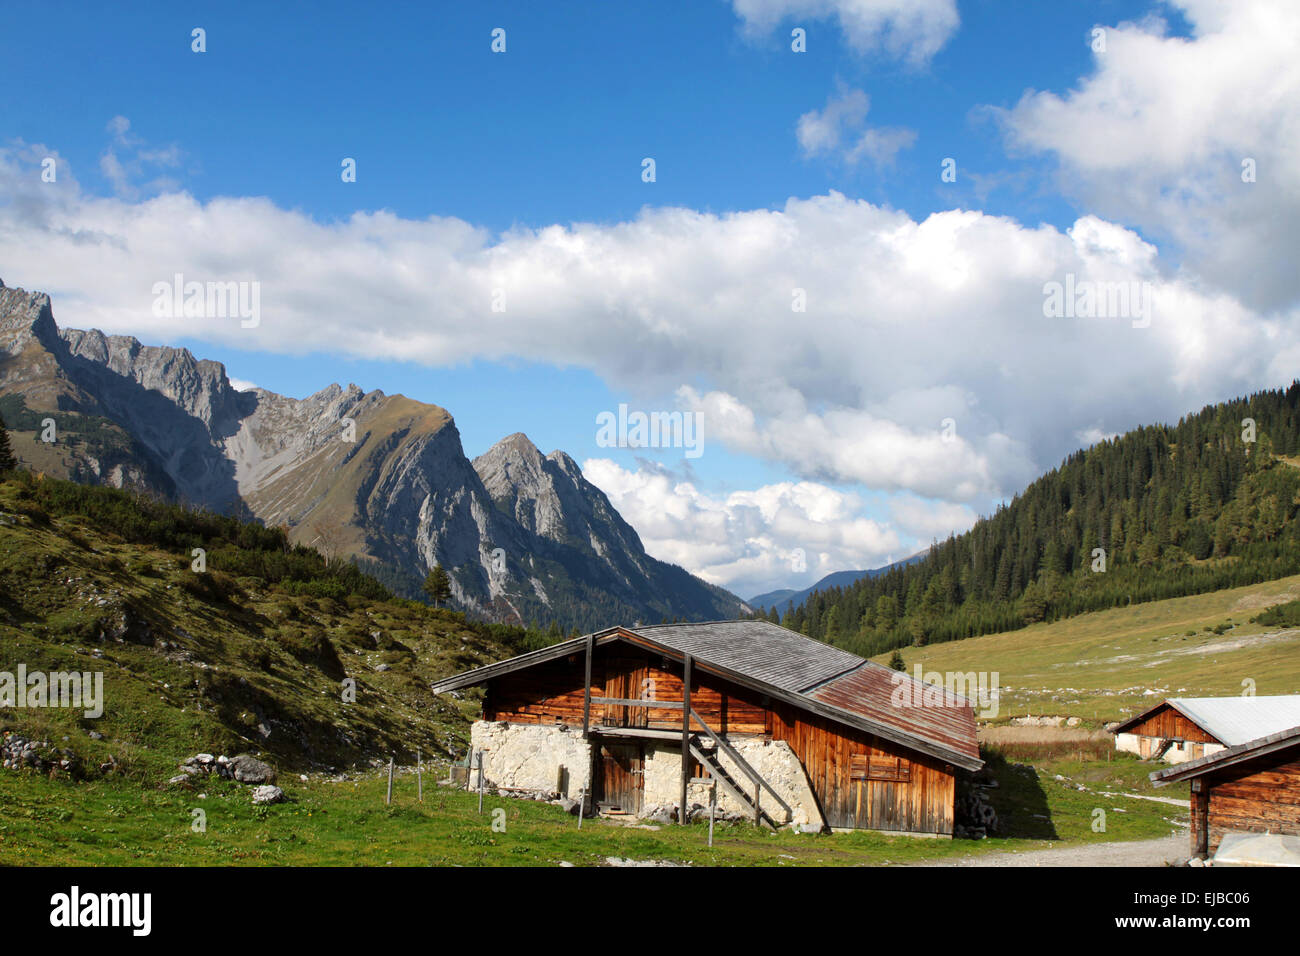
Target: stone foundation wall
(774, 761)
(1132, 743)
(530, 757)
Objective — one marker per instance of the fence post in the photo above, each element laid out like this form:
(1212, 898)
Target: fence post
(419, 775)
(683, 813)
(582, 805)
(713, 803)
(389, 799)
(480, 781)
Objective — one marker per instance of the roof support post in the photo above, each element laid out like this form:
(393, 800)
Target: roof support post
(1200, 818)
(686, 734)
(586, 694)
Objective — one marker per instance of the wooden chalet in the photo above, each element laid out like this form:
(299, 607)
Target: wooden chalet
(740, 697)
(1187, 728)
(1252, 787)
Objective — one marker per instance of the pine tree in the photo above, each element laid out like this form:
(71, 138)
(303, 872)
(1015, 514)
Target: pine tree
(7, 460)
(437, 585)
(832, 625)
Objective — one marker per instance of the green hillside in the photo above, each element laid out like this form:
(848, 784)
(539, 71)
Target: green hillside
(1177, 510)
(89, 449)
(1106, 665)
(250, 654)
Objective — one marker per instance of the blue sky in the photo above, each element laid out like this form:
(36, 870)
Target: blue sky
(553, 132)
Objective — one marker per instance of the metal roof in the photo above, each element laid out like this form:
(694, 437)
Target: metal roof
(1232, 720)
(929, 712)
(1281, 740)
(807, 673)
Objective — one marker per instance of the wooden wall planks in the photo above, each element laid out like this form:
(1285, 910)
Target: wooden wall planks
(1168, 723)
(1258, 796)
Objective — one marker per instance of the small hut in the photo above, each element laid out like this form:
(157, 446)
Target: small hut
(1253, 787)
(1187, 728)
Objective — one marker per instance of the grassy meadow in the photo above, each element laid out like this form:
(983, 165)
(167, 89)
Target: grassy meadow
(115, 822)
(1106, 665)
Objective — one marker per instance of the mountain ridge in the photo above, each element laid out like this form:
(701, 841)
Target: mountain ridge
(781, 597)
(356, 474)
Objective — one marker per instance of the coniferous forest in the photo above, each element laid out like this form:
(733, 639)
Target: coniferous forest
(1160, 512)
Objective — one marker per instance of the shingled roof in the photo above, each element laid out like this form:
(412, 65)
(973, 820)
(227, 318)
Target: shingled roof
(759, 649)
(787, 665)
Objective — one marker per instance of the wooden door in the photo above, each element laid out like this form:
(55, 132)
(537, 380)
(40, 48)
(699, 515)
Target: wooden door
(622, 776)
(627, 678)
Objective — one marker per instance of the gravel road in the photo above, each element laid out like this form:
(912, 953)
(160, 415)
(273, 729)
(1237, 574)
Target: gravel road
(1134, 853)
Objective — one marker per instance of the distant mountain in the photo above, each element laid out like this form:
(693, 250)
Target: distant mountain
(779, 598)
(378, 478)
(782, 598)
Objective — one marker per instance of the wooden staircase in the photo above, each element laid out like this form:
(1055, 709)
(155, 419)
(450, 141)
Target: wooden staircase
(751, 802)
(704, 744)
(706, 750)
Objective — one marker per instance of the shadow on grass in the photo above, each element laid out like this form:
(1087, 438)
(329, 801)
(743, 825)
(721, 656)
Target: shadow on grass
(1019, 799)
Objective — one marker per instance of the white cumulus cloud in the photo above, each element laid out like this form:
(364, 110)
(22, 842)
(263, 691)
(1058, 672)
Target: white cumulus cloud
(1165, 131)
(912, 30)
(746, 541)
(904, 324)
(840, 129)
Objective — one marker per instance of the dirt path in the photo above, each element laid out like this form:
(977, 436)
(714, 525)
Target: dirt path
(1135, 853)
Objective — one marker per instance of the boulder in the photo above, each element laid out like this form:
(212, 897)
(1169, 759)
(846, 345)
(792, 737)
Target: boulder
(659, 814)
(268, 794)
(248, 769)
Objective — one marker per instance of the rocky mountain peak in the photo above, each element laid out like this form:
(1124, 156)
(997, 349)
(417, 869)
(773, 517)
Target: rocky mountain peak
(25, 317)
(199, 387)
(565, 463)
(510, 467)
(518, 446)
(550, 497)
